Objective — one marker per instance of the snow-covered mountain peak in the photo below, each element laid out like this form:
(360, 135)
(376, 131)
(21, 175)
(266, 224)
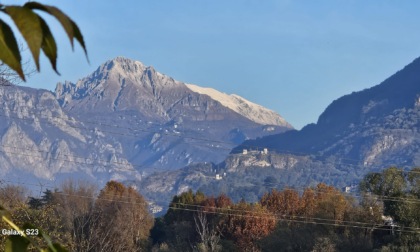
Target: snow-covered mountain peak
(123, 84)
(115, 69)
(122, 67)
(252, 111)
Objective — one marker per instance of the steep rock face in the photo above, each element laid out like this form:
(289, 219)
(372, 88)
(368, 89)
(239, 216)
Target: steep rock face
(39, 139)
(121, 85)
(123, 121)
(126, 85)
(162, 122)
(236, 162)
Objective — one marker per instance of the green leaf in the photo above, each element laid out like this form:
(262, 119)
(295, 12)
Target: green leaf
(49, 47)
(9, 53)
(29, 26)
(16, 243)
(69, 25)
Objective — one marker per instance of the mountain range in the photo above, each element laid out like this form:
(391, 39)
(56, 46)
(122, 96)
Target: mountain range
(365, 131)
(373, 127)
(128, 122)
(123, 121)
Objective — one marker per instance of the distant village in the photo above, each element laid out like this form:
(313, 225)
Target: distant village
(263, 151)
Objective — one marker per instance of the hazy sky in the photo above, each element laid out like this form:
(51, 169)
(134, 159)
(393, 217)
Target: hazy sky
(294, 57)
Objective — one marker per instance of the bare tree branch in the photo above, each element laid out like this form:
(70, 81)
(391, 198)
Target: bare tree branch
(209, 238)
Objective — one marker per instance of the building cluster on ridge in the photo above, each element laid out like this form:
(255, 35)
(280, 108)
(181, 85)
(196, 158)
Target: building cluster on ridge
(246, 152)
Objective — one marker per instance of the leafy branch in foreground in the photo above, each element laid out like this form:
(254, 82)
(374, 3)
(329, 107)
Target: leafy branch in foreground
(35, 32)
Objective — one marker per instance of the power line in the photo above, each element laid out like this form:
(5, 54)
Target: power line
(297, 221)
(316, 191)
(277, 217)
(282, 216)
(379, 197)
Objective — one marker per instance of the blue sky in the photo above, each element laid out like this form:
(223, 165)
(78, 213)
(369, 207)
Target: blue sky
(294, 57)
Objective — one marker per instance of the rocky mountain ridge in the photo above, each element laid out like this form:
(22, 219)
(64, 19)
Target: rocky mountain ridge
(123, 121)
(122, 84)
(365, 131)
(40, 140)
(360, 125)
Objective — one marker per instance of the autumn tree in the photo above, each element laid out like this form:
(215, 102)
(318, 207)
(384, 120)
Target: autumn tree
(122, 221)
(307, 203)
(331, 204)
(321, 217)
(247, 223)
(285, 203)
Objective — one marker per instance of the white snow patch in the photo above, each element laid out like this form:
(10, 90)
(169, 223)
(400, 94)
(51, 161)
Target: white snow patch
(250, 110)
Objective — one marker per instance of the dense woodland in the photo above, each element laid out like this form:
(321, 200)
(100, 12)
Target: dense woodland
(383, 216)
